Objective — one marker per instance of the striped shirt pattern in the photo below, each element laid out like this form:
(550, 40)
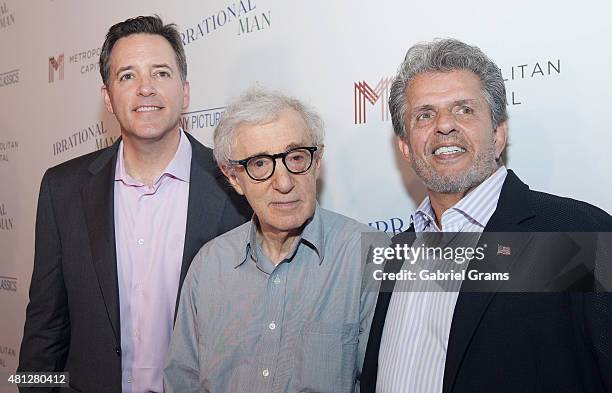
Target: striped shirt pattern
(415, 337)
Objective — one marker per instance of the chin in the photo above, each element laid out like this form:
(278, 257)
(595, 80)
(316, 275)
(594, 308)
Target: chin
(152, 130)
(289, 224)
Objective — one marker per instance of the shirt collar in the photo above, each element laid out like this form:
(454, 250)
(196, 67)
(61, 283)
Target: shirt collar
(179, 167)
(312, 235)
(486, 195)
(423, 216)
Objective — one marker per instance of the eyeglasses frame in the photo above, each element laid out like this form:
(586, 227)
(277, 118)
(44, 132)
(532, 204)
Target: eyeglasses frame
(274, 157)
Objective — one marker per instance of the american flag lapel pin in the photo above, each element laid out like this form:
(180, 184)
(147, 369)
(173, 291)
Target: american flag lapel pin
(503, 250)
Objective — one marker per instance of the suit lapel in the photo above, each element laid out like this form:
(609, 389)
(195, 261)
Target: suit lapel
(512, 210)
(98, 205)
(205, 205)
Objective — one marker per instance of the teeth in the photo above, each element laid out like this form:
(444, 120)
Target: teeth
(448, 150)
(147, 108)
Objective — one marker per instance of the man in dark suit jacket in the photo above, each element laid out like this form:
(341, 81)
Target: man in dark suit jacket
(73, 320)
(449, 113)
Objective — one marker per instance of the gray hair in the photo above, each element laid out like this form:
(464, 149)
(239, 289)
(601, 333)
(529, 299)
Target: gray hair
(445, 55)
(257, 106)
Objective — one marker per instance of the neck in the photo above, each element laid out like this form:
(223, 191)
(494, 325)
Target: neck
(441, 202)
(276, 244)
(145, 160)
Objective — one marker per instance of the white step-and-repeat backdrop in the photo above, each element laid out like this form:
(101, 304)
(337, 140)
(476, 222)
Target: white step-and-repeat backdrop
(555, 57)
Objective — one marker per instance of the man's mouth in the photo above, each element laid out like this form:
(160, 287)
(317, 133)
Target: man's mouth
(149, 108)
(447, 150)
(285, 205)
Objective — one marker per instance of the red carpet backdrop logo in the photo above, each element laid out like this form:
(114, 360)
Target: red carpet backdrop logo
(56, 65)
(363, 93)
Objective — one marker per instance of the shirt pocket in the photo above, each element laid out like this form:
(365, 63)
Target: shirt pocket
(325, 358)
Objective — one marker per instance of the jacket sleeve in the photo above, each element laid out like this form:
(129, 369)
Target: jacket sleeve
(47, 327)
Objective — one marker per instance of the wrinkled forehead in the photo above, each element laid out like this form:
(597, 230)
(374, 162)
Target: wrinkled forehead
(285, 131)
(435, 87)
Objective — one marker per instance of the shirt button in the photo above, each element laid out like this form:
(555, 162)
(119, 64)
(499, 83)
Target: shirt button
(276, 280)
(272, 326)
(265, 372)
(136, 333)
(140, 242)
(129, 379)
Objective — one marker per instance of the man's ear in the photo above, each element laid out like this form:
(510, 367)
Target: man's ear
(404, 148)
(186, 94)
(501, 138)
(230, 174)
(318, 158)
(106, 97)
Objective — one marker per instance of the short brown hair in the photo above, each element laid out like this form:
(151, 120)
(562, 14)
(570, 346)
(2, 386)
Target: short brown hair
(142, 25)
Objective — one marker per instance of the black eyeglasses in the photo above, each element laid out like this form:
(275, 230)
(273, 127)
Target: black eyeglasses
(261, 167)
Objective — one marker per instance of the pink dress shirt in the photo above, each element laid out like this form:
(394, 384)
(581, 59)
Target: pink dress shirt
(149, 236)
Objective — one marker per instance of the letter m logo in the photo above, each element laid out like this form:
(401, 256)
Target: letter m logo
(56, 66)
(363, 93)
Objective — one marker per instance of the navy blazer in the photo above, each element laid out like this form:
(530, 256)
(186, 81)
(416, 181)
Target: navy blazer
(522, 342)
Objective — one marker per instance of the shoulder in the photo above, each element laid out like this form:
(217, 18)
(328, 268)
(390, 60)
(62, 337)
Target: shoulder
(199, 150)
(341, 231)
(223, 252)
(77, 168)
(542, 212)
(566, 214)
(76, 164)
(203, 155)
(333, 221)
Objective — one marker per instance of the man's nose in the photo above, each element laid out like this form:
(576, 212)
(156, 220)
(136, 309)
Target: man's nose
(282, 179)
(445, 122)
(146, 86)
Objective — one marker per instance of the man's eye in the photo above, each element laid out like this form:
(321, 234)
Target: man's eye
(424, 116)
(297, 157)
(125, 77)
(163, 74)
(259, 163)
(465, 110)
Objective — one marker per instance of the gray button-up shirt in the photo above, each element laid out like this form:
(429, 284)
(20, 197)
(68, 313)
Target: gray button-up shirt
(246, 325)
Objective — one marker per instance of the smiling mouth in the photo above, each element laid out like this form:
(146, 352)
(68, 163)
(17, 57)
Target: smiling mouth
(147, 108)
(448, 150)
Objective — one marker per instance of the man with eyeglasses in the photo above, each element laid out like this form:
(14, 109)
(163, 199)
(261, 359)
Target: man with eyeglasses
(280, 304)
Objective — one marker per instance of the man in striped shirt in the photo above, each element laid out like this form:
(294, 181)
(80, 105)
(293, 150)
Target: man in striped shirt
(448, 106)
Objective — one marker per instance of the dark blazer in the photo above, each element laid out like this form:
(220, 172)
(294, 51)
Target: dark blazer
(522, 342)
(72, 320)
